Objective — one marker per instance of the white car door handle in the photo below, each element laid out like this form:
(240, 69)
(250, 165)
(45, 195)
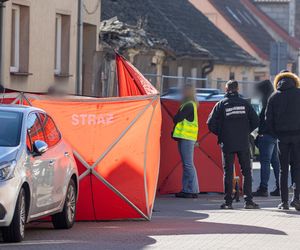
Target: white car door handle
(51, 163)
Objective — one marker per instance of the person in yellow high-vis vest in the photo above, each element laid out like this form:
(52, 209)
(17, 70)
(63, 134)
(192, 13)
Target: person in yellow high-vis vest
(186, 133)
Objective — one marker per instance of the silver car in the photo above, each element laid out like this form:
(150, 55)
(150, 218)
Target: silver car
(38, 173)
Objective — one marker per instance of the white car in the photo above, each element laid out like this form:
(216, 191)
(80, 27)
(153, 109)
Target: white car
(38, 173)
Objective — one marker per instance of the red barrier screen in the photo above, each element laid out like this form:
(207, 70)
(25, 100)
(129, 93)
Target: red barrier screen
(116, 143)
(208, 161)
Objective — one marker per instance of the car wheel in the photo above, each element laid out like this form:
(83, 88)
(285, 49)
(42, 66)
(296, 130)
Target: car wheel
(66, 218)
(16, 231)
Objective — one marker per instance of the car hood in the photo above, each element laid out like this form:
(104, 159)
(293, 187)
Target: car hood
(8, 153)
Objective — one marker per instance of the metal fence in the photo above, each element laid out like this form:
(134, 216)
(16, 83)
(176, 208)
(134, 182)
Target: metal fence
(246, 88)
(164, 82)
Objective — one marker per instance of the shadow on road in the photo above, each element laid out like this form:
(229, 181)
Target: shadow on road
(172, 217)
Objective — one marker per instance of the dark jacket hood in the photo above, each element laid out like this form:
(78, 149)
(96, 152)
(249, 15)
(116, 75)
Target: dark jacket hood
(286, 80)
(285, 84)
(265, 88)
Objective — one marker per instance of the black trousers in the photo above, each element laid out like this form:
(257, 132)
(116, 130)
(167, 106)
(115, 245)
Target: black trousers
(296, 195)
(228, 164)
(289, 152)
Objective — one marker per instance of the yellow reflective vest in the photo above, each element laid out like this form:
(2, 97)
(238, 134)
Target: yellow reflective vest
(185, 129)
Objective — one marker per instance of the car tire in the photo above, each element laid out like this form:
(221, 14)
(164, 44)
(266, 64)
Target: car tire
(66, 218)
(16, 231)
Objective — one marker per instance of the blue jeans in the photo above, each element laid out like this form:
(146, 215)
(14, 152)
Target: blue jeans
(189, 177)
(268, 154)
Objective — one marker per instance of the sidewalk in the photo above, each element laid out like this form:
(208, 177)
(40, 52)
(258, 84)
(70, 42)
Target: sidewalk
(199, 224)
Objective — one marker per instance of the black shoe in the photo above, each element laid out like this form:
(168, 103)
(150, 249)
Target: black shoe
(283, 206)
(251, 205)
(293, 203)
(226, 206)
(276, 192)
(261, 192)
(186, 195)
(296, 204)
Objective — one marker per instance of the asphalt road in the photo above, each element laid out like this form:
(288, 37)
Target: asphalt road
(177, 224)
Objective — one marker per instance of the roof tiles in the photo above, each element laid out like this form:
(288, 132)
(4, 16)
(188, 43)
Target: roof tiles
(246, 24)
(187, 30)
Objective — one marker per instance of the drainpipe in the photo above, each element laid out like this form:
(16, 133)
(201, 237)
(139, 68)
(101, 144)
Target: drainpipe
(79, 48)
(206, 70)
(1, 41)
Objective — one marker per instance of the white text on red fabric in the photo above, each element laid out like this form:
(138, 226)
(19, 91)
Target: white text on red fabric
(92, 119)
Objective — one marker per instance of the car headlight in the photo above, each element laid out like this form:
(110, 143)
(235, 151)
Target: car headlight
(7, 170)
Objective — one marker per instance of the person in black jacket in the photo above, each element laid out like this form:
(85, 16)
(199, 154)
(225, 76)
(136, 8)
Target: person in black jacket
(232, 120)
(283, 121)
(267, 144)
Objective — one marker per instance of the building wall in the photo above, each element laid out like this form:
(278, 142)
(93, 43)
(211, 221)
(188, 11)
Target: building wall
(280, 13)
(155, 63)
(293, 52)
(92, 13)
(186, 70)
(222, 73)
(222, 24)
(91, 54)
(41, 45)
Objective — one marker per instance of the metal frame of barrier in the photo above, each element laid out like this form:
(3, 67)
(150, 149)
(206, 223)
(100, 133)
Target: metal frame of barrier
(21, 98)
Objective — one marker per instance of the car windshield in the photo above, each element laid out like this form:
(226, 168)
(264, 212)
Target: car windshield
(10, 128)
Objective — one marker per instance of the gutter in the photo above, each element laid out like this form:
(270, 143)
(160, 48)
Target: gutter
(79, 48)
(1, 40)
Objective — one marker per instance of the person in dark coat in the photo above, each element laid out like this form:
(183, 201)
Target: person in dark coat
(283, 122)
(232, 120)
(267, 145)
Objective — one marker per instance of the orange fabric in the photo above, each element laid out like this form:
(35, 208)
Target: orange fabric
(117, 146)
(131, 81)
(130, 167)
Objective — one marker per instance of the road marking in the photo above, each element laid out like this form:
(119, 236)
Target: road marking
(40, 242)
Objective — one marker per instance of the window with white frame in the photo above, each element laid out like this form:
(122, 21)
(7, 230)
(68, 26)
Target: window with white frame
(58, 43)
(19, 52)
(62, 45)
(15, 39)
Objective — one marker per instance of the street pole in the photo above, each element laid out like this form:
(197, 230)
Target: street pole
(79, 48)
(1, 41)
